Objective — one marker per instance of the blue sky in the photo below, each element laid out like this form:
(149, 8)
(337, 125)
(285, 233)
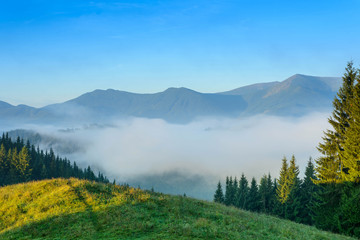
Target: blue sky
(52, 51)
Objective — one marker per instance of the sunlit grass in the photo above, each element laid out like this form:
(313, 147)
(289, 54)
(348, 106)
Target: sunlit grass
(77, 209)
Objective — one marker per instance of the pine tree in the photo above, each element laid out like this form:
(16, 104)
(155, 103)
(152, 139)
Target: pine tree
(293, 202)
(3, 165)
(351, 153)
(23, 169)
(308, 191)
(271, 191)
(265, 190)
(219, 195)
(330, 166)
(232, 193)
(253, 203)
(43, 173)
(283, 189)
(277, 208)
(14, 159)
(242, 193)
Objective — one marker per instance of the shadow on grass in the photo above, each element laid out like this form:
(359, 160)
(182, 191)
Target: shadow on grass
(166, 217)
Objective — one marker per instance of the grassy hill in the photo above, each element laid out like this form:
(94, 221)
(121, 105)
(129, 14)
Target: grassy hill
(79, 209)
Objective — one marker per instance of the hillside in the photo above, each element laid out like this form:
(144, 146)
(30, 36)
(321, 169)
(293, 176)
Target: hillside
(74, 209)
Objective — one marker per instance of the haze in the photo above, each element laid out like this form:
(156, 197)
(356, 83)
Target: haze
(154, 153)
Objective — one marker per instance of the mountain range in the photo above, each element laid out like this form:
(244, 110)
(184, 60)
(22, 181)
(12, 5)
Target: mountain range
(295, 96)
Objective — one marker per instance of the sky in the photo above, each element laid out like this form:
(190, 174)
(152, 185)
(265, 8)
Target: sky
(52, 51)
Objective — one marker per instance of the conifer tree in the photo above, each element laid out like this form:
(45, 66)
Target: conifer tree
(242, 192)
(233, 189)
(3, 165)
(293, 202)
(277, 208)
(253, 203)
(283, 189)
(329, 166)
(14, 158)
(23, 168)
(265, 190)
(43, 174)
(271, 191)
(219, 195)
(308, 191)
(351, 152)
(227, 199)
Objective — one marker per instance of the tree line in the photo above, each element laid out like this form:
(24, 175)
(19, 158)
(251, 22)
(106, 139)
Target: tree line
(20, 162)
(287, 197)
(329, 194)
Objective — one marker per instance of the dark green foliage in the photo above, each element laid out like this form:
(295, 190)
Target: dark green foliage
(326, 206)
(308, 191)
(21, 162)
(266, 191)
(293, 204)
(219, 195)
(242, 193)
(230, 192)
(349, 210)
(253, 203)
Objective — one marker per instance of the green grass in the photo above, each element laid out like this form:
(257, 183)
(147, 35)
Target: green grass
(77, 209)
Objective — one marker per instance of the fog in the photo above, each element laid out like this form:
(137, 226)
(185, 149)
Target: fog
(191, 158)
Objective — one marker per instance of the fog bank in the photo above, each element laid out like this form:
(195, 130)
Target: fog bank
(149, 151)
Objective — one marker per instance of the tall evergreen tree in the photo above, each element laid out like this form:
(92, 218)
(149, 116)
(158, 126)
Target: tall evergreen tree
(253, 203)
(228, 190)
(23, 167)
(351, 152)
(219, 195)
(265, 190)
(308, 191)
(283, 188)
(242, 193)
(3, 165)
(329, 166)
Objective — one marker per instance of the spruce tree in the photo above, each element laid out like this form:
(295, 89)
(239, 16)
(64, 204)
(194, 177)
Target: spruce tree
(351, 154)
(228, 190)
(265, 190)
(283, 188)
(3, 165)
(14, 159)
(23, 168)
(253, 203)
(271, 191)
(329, 166)
(219, 195)
(293, 202)
(308, 191)
(242, 192)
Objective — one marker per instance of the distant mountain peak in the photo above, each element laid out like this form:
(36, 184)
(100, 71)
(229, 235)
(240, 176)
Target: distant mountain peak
(179, 90)
(295, 96)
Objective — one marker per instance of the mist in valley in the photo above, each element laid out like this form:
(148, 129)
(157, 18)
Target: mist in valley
(188, 158)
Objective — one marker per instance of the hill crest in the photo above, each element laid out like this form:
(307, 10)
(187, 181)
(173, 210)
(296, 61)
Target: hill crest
(72, 208)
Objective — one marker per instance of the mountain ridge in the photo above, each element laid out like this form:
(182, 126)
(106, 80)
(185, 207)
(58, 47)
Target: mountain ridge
(295, 96)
